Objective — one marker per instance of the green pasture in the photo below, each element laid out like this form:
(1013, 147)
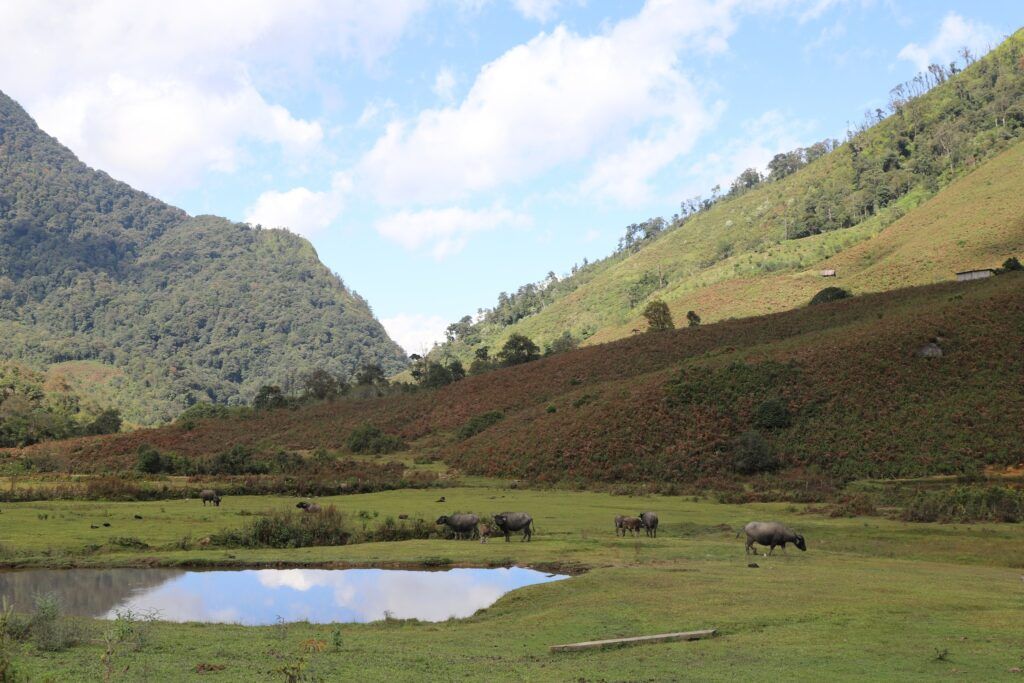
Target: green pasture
(871, 599)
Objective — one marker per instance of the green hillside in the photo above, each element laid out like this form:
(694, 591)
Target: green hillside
(864, 208)
(157, 309)
(829, 391)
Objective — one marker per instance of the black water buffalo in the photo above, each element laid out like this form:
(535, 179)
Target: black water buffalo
(771, 534)
(508, 522)
(209, 496)
(462, 525)
(632, 525)
(618, 525)
(308, 507)
(649, 521)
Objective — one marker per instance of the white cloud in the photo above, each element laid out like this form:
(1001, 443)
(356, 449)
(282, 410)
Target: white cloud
(300, 209)
(763, 138)
(444, 84)
(954, 33)
(159, 93)
(559, 98)
(163, 134)
(415, 332)
(538, 10)
(445, 231)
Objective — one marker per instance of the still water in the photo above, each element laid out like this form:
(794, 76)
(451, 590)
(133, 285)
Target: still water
(266, 596)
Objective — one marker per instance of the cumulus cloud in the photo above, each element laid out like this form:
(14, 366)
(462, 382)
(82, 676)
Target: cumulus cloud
(763, 138)
(415, 332)
(538, 10)
(444, 84)
(158, 93)
(300, 209)
(445, 231)
(954, 33)
(557, 99)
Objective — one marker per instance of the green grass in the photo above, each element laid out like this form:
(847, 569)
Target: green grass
(871, 599)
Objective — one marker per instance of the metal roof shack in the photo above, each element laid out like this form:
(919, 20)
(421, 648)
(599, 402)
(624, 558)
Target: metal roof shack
(981, 274)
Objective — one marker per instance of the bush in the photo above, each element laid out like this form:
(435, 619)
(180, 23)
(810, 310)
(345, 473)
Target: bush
(829, 294)
(967, 504)
(203, 410)
(479, 423)
(107, 422)
(50, 632)
(238, 460)
(288, 530)
(772, 414)
(1012, 263)
(369, 439)
(752, 454)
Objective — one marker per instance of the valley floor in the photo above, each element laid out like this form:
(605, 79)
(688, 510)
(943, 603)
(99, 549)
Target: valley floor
(871, 599)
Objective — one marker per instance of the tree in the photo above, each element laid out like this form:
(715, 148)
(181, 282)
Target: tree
(517, 350)
(752, 454)
(692, 318)
(321, 385)
(107, 422)
(750, 178)
(658, 316)
(561, 344)
(829, 294)
(371, 374)
(1012, 263)
(269, 397)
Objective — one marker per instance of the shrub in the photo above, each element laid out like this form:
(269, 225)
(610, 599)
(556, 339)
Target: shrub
(854, 505)
(1012, 263)
(479, 423)
(829, 294)
(49, 631)
(149, 460)
(107, 422)
(966, 504)
(772, 414)
(752, 454)
(369, 439)
(203, 410)
(288, 530)
(238, 460)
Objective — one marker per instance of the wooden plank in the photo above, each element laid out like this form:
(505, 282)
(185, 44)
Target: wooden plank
(636, 640)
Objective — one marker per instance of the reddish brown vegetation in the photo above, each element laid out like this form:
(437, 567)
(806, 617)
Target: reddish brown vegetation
(862, 403)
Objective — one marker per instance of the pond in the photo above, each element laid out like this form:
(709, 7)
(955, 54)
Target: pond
(256, 597)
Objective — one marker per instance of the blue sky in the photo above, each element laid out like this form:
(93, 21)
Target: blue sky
(437, 153)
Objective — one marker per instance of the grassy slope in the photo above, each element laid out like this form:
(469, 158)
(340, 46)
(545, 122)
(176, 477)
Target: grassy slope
(734, 260)
(863, 404)
(870, 599)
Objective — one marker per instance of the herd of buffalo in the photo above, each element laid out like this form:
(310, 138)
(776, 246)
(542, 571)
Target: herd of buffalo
(467, 526)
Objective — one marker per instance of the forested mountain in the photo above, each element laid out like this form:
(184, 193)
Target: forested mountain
(157, 308)
(759, 246)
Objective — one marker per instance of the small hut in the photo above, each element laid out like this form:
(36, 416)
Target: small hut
(980, 274)
(828, 273)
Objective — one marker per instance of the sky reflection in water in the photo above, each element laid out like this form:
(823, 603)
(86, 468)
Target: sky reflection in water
(265, 596)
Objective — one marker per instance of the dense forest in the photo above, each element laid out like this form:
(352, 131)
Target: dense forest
(185, 309)
(936, 127)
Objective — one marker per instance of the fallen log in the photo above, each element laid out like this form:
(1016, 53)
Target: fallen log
(636, 640)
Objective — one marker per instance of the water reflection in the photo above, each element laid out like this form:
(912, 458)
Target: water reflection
(263, 596)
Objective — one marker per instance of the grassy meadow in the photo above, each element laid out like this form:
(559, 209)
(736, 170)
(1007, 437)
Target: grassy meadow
(871, 598)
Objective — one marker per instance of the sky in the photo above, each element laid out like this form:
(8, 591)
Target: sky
(437, 153)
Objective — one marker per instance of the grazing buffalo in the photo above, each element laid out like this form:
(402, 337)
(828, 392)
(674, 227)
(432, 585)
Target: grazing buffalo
(618, 525)
(771, 534)
(462, 525)
(308, 507)
(508, 522)
(632, 525)
(485, 531)
(649, 521)
(209, 496)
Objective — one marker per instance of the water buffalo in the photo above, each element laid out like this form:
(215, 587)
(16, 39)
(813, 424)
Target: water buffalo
(462, 525)
(632, 525)
(209, 496)
(618, 525)
(485, 531)
(771, 534)
(308, 507)
(508, 522)
(649, 521)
